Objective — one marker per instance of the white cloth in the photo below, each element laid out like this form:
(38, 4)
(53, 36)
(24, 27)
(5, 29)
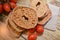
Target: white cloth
(52, 24)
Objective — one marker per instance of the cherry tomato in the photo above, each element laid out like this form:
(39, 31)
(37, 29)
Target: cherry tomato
(6, 7)
(12, 4)
(31, 30)
(32, 37)
(1, 9)
(13, 1)
(40, 29)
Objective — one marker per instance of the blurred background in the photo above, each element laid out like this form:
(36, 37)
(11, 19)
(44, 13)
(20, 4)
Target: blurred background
(54, 2)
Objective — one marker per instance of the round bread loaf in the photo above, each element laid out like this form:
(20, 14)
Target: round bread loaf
(40, 7)
(24, 17)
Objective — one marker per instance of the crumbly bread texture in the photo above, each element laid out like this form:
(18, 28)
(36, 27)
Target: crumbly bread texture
(39, 6)
(24, 17)
(45, 19)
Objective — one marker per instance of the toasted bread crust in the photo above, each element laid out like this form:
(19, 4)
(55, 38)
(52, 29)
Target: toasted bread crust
(46, 19)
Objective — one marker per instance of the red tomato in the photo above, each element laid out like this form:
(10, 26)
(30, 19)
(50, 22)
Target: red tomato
(40, 29)
(6, 7)
(12, 4)
(31, 30)
(32, 37)
(1, 9)
(13, 1)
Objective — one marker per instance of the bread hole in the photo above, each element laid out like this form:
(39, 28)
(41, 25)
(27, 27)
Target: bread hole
(25, 17)
(39, 19)
(38, 4)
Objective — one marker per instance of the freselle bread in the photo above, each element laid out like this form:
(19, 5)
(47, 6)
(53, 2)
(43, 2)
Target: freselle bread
(24, 17)
(13, 31)
(40, 7)
(20, 19)
(45, 19)
(16, 27)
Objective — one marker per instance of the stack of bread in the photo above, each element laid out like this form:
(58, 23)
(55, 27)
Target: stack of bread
(22, 18)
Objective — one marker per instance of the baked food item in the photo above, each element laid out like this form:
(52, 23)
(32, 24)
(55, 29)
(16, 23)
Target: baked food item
(13, 31)
(40, 7)
(45, 19)
(24, 17)
(41, 21)
(16, 27)
(21, 18)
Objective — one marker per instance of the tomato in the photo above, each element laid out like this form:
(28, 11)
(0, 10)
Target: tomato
(40, 29)
(12, 4)
(6, 7)
(13, 1)
(1, 9)
(31, 30)
(32, 37)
